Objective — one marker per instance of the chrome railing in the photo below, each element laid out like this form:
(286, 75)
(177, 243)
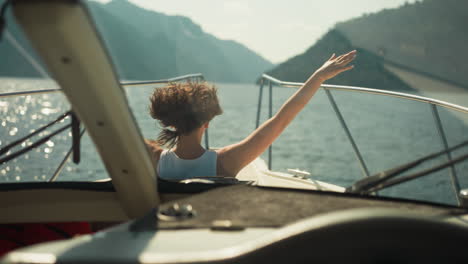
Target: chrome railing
(189, 77)
(271, 81)
(371, 91)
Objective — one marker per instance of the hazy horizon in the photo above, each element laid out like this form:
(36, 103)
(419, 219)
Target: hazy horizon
(285, 29)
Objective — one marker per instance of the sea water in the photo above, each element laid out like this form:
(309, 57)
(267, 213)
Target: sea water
(388, 132)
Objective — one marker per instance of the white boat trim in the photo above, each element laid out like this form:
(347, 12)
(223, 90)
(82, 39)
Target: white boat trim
(257, 171)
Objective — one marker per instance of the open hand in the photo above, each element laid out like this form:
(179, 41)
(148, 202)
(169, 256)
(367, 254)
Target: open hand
(335, 65)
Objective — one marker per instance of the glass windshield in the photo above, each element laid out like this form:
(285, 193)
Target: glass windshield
(341, 136)
(29, 101)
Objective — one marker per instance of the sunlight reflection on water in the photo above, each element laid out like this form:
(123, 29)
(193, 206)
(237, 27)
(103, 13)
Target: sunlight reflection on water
(22, 115)
(387, 131)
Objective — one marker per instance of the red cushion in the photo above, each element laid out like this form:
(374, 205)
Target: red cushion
(14, 236)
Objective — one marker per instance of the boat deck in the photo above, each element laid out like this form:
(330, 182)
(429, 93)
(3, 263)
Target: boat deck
(257, 171)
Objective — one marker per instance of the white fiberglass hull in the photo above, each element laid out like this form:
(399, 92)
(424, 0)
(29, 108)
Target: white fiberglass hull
(258, 172)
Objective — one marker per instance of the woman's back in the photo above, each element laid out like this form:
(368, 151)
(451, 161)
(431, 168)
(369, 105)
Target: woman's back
(172, 167)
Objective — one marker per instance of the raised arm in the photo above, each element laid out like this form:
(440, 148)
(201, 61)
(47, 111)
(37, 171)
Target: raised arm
(232, 158)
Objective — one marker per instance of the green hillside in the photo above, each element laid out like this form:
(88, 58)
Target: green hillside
(368, 73)
(427, 37)
(13, 64)
(147, 45)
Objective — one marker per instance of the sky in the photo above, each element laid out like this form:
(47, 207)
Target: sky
(276, 30)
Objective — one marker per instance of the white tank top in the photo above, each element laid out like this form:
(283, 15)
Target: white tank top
(171, 167)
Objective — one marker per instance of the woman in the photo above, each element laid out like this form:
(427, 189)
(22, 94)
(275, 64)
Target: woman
(185, 110)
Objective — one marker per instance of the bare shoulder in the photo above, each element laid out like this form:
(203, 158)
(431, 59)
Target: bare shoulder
(154, 149)
(226, 151)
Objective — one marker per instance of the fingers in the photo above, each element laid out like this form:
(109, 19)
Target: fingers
(349, 54)
(345, 68)
(346, 58)
(342, 57)
(336, 65)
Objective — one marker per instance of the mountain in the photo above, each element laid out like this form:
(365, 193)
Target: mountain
(425, 37)
(13, 64)
(147, 45)
(370, 71)
(428, 37)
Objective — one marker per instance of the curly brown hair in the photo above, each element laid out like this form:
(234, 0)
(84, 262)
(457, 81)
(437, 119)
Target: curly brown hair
(180, 108)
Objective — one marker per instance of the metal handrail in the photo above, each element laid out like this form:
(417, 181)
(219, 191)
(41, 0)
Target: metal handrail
(64, 161)
(195, 76)
(443, 138)
(433, 102)
(372, 91)
(365, 170)
(189, 77)
(39, 91)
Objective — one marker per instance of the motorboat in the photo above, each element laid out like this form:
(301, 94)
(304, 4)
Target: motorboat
(260, 216)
